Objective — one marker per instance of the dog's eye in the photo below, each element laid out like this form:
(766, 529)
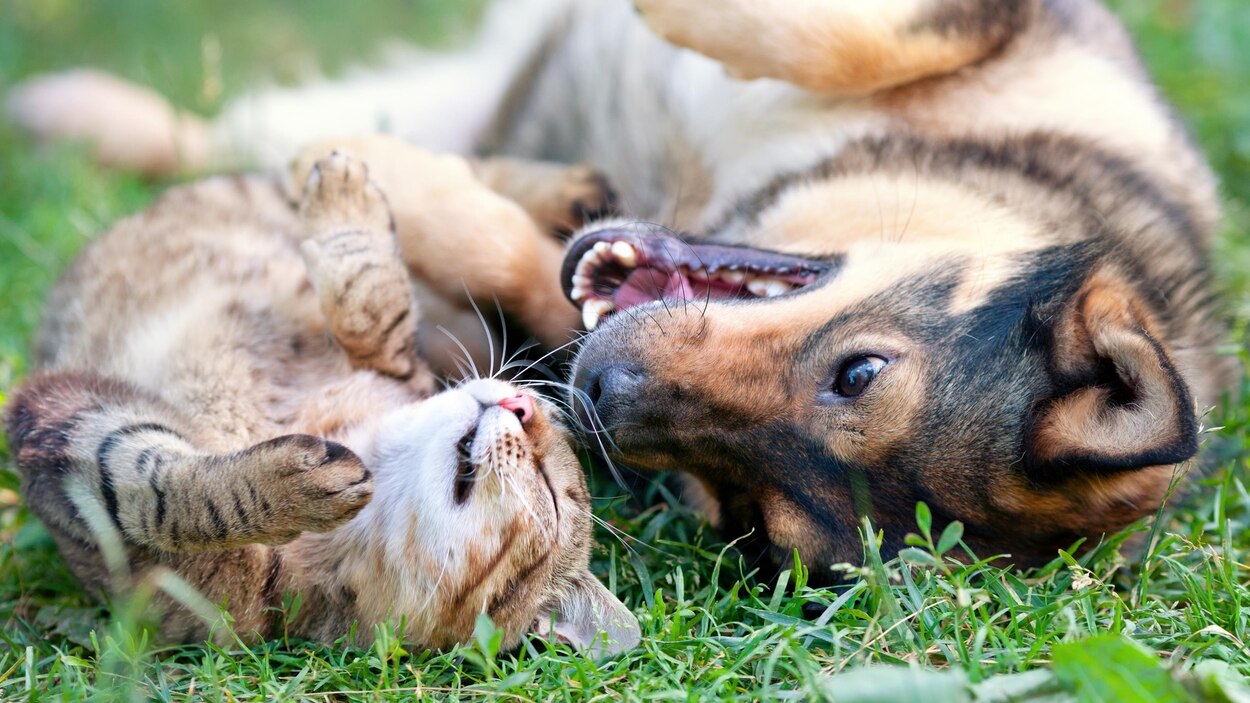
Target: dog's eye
(856, 374)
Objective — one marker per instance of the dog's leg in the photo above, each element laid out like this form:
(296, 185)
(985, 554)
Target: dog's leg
(561, 198)
(839, 47)
(458, 236)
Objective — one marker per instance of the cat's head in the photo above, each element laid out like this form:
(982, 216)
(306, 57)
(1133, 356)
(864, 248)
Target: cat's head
(480, 506)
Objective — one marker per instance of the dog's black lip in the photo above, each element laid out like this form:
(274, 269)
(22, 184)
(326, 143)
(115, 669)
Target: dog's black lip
(662, 249)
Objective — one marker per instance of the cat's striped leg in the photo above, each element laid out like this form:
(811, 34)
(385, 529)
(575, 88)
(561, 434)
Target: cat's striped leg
(86, 443)
(354, 261)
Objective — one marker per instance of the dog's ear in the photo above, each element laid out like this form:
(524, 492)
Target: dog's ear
(1124, 405)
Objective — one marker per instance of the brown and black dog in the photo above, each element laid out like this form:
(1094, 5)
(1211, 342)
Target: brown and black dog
(950, 251)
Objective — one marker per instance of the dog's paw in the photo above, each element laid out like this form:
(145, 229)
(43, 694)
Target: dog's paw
(590, 197)
(127, 126)
(313, 485)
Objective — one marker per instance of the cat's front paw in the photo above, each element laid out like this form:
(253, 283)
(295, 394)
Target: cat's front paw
(313, 485)
(340, 197)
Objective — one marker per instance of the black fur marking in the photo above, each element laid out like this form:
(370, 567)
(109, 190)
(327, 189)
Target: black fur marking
(241, 513)
(351, 283)
(390, 327)
(257, 502)
(514, 584)
(336, 452)
(352, 252)
(271, 598)
(158, 464)
(219, 525)
(107, 445)
(992, 20)
(337, 236)
(144, 460)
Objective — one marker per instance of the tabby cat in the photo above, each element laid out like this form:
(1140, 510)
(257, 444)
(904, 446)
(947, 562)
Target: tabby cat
(231, 385)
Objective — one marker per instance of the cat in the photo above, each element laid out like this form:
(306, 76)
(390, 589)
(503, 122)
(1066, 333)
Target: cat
(231, 385)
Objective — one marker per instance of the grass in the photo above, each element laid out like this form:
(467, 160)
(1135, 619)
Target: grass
(1166, 626)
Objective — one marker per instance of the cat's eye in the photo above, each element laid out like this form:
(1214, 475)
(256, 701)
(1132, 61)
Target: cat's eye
(856, 374)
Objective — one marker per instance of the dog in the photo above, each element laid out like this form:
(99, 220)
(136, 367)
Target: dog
(865, 254)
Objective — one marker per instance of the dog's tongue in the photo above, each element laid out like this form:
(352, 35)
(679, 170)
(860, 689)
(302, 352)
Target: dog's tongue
(678, 286)
(645, 285)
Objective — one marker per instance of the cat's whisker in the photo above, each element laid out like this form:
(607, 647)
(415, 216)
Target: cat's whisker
(438, 582)
(467, 356)
(524, 500)
(490, 338)
(527, 366)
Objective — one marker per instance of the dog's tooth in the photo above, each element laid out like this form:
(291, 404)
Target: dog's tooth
(758, 286)
(603, 249)
(593, 311)
(582, 287)
(625, 253)
(587, 264)
(731, 276)
(775, 287)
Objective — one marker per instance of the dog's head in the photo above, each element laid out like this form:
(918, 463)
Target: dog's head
(1010, 376)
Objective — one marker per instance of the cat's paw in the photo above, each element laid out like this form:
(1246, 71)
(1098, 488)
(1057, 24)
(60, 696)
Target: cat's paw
(339, 197)
(315, 485)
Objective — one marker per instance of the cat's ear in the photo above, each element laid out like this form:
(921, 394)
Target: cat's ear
(591, 619)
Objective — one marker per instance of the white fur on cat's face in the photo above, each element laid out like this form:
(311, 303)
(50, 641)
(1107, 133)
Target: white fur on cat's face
(512, 544)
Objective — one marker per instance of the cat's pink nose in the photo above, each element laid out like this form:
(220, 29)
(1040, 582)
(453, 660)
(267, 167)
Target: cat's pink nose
(521, 404)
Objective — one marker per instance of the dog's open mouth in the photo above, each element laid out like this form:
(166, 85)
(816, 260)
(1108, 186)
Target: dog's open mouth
(616, 269)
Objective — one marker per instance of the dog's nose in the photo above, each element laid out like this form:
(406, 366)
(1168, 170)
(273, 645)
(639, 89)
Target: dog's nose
(606, 391)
